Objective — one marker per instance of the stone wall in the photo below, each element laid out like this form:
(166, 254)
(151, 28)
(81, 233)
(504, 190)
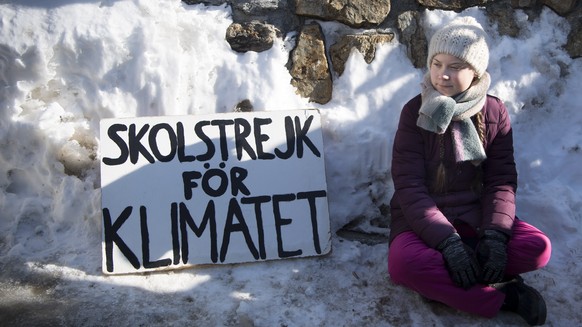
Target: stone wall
(313, 62)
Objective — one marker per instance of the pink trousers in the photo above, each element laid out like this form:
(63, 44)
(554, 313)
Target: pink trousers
(415, 265)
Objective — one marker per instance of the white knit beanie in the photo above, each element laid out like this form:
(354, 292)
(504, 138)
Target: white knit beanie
(463, 38)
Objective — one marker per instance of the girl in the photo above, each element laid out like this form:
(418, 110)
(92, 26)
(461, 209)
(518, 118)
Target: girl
(454, 235)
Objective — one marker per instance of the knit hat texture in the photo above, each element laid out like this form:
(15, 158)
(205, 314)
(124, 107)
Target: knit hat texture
(463, 38)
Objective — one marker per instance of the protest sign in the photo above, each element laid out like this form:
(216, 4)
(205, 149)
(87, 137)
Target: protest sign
(179, 191)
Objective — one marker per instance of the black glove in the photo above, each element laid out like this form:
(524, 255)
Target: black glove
(492, 255)
(459, 260)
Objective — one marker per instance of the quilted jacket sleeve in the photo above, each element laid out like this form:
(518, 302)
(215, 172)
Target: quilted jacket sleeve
(408, 173)
(499, 171)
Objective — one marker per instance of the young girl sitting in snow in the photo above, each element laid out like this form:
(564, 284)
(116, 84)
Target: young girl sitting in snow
(454, 235)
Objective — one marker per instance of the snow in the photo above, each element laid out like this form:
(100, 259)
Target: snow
(65, 65)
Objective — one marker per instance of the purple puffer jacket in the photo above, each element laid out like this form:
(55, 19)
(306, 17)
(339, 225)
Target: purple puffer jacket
(415, 158)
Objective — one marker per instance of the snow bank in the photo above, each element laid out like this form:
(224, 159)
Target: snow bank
(64, 65)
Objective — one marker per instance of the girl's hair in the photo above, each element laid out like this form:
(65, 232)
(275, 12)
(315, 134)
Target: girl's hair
(440, 183)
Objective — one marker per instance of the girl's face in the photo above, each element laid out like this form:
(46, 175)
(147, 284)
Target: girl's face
(450, 75)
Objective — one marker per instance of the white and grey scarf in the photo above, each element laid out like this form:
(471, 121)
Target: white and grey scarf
(439, 111)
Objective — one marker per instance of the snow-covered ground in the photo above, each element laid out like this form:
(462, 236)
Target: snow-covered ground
(65, 65)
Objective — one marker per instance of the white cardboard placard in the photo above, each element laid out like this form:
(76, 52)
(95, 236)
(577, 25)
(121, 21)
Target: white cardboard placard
(179, 191)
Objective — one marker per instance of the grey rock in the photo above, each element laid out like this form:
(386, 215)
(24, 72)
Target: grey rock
(309, 68)
(413, 36)
(502, 14)
(364, 43)
(355, 13)
(244, 106)
(523, 3)
(251, 36)
(279, 13)
(562, 7)
(574, 43)
(456, 5)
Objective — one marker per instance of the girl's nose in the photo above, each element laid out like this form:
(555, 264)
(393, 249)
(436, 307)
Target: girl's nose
(445, 77)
